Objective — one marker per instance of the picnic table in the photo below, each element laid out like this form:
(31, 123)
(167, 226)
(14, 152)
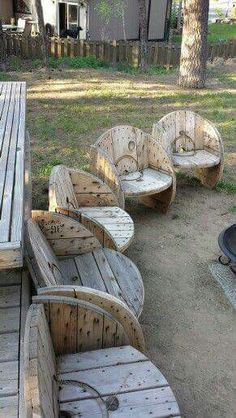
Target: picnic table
(12, 172)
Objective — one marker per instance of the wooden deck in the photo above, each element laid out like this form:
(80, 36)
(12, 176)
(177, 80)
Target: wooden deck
(12, 150)
(14, 302)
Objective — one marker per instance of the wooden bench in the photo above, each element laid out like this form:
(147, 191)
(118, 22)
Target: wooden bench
(87, 263)
(136, 164)
(84, 197)
(12, 172)
(192, 142)
(84, 361)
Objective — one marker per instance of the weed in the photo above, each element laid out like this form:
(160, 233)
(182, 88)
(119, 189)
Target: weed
(226, 186)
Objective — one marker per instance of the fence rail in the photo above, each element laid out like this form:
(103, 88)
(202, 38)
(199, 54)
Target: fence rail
(111, 52)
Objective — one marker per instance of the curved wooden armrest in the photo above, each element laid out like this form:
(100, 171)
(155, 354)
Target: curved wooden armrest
(212, 139)
(102, 166)
(113, 306)
(158, 157)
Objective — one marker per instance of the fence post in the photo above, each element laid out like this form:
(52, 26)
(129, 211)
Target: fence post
(135, 54)
(169, 51)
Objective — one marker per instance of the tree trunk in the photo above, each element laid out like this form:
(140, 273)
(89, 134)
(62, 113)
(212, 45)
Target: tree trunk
(42, 31)
(143, 34)
(194, 44)
(2, 50)
(179, 16)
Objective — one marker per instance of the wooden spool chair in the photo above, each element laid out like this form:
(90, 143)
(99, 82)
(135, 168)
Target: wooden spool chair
(95, 203)
(82, 361)
(192, 142)
(136, 164)
(82, 260)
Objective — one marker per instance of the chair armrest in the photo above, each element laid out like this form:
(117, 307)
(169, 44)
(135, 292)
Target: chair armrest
(158, 157)
(113, 306)
(102, 166)
(212, 139)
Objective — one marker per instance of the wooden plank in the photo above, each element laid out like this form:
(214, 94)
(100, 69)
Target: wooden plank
(70, 272)
(201, 159)
(8, 378)
(9, 407)
(128, 278)
(89, 272)
(152, 182)
(9, 296)
(10, 319)
(157, 403)
(115, 379)
(9, 344)
(10, 277)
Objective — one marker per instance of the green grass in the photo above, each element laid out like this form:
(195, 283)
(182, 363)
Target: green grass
(68, 112)
(216, 32)
(232, 209)
(225, 186)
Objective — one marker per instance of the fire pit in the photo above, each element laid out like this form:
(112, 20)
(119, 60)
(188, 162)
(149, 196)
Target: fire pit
(227, 243)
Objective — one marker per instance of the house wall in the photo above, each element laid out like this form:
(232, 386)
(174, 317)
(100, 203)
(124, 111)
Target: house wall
(114, 29)
(6, 10)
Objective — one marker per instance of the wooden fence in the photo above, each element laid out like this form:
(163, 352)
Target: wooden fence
(163, 54)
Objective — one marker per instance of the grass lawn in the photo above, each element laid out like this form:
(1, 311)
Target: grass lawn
(67, 113)
(217, 32)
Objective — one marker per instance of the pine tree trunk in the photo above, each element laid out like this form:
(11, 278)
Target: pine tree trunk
(194, 44)
(2, 50)
(42, 31)
(143, 34)
(179, 16)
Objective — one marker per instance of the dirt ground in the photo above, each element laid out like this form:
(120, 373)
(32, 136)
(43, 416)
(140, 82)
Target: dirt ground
(189, 326)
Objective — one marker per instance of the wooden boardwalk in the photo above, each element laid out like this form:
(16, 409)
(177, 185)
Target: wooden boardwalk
(14, 302)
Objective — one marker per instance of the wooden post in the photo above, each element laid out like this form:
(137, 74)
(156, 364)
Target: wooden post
(2, 49)
(114, 45)
(169, 51)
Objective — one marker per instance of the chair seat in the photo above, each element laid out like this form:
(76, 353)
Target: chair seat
(200, 159)
(108, 271)
(147, 182)
(137, 387)
(115, 221)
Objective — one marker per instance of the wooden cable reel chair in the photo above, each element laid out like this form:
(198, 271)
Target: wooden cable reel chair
(95, 203)
(81, 261)
(136, 164)
(80, 360)
(192, 142)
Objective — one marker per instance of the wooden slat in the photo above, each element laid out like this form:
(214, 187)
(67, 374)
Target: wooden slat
(12, 151)
(157, 403)
(9, 407)
(89, 272)
(9, 378)
(9, 296)
(9, 344)
(115, 379)
(152, 181)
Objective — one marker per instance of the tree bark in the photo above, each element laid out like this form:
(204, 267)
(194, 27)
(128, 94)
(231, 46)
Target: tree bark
(2, 50)
(194, 44)
(179, 16)
(143, 34)
(42, 31)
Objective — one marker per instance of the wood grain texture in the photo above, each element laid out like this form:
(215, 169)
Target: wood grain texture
(141, 165)
(192, 142)
(12, 148)
(82, 196)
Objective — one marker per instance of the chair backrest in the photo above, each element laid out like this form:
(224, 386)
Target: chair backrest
(185, 130)
(71, 189)
(43, 263)
(77, 325)
(127, 147)
(40, 387)
(113, 306)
